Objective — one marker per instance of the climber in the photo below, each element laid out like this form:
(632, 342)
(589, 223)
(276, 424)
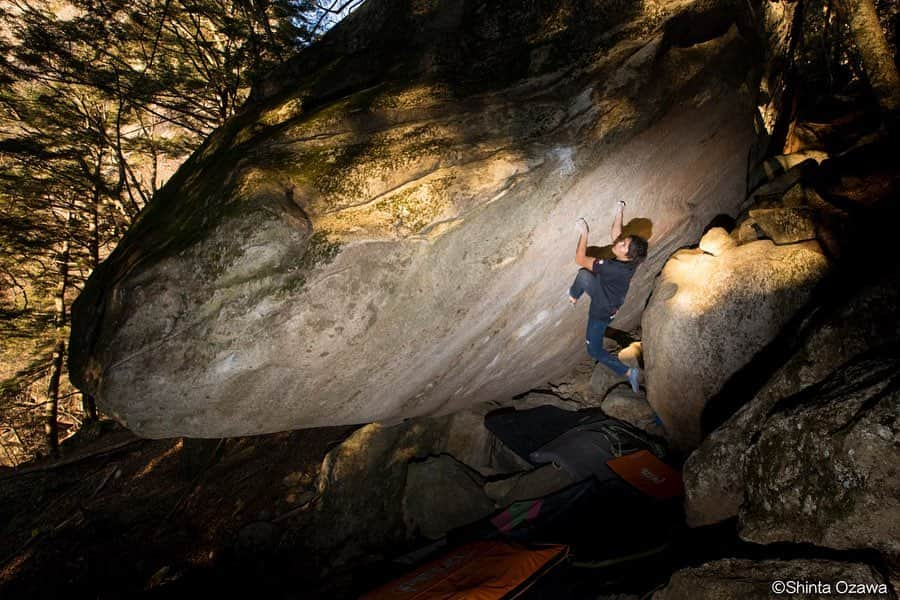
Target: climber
(606, 282)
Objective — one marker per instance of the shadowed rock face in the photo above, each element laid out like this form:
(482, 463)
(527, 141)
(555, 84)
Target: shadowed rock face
(714, 478)
(752, 579)
(386, 231)
(824, 468)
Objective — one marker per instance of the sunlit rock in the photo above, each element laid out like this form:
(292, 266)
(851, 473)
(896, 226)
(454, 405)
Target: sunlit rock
(716, 241)
(632, 354)
(386, 232)
(709, 316)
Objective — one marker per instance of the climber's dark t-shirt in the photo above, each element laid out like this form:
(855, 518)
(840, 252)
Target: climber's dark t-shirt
(610, 286)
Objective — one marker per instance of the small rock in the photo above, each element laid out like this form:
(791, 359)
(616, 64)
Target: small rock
(773, 168)
(795, 197)
(624, 404)
(632, 355)
(468, 441)
(603, 379)
(786, 225)
(774, 190)
(716, 241)
(535, 399)
(747, 231)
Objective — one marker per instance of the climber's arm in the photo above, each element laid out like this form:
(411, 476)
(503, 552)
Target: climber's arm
(581, 256)
(617, 222)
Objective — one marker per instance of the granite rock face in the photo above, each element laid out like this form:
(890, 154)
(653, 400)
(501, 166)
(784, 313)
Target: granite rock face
(376, 488)
(824, 470)
(443, 494)
(714, 473)
(386, 230)
(709, 315)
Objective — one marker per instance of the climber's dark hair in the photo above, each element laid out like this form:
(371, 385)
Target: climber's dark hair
(637, 249)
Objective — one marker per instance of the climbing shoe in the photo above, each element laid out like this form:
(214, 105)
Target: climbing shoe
(633, 374)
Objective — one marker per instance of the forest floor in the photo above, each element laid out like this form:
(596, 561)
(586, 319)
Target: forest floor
(117, 516)
(121, 516)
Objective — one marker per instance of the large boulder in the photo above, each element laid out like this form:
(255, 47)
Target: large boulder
(710, 315)
(825, 468)
(388, 233)
(714, 473)
(361, 485)
(442, 494)
(377, 487)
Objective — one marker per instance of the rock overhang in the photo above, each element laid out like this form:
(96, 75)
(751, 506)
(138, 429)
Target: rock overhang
(361, 261)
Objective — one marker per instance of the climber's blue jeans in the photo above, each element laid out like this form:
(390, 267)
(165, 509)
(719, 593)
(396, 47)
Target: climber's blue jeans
(585, 282)
(594, 341)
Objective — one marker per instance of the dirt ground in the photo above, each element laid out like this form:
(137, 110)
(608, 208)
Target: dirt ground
(120, 516)
(117, 516)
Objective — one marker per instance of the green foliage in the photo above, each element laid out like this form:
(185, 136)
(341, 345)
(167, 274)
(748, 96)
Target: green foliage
(99, 102)
(827, 59)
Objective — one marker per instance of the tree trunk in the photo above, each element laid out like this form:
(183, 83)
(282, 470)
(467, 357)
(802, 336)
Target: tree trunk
(9, 456)
(787, 117)
(51, 428)
(89, 408)
(94, 225)
(875, 55)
